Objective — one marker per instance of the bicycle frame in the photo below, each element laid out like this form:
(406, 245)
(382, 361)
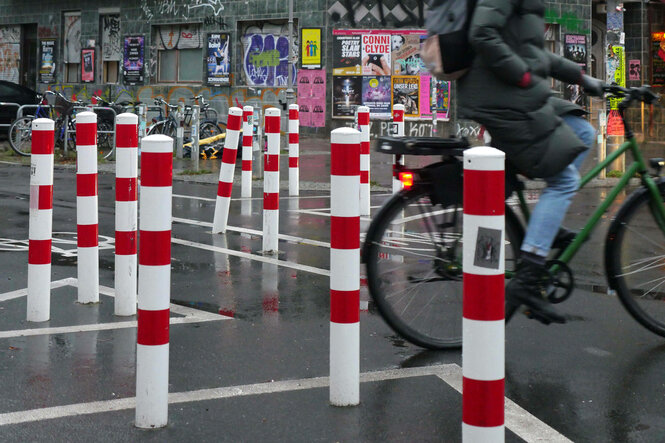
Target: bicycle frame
(637, 167)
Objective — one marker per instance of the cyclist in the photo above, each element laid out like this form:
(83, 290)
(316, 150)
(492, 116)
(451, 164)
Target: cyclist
(507, 90)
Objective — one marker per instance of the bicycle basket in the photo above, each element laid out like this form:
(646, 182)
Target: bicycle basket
(62, 105)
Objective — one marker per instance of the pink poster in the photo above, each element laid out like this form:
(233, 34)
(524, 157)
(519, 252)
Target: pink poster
(318, 83)
(425, 95)
(318, 113)
(304, 83)
(304, 113)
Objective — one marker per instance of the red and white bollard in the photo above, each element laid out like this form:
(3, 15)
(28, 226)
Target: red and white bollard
(294, 148)
(363, 127)
(271, 182)
(344, 267)
(152, 350)
(483, 321)
(398, 121)
(40, 220)
(87, 228)
(247, 139)
(226, 170)
(126, 212)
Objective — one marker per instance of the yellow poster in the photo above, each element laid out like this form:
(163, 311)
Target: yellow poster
(311, 47)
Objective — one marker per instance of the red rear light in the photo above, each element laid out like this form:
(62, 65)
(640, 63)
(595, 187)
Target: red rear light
(407, 179)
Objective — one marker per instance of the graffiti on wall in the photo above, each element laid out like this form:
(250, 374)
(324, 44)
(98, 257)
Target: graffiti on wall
(111, 42)
(265, 54)
(176, 9)
(385, 12)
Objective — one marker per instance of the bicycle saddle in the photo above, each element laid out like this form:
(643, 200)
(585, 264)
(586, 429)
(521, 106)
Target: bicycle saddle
(421, 145)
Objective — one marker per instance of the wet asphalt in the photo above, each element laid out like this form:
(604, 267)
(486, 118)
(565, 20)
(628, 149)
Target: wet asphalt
(597, 378)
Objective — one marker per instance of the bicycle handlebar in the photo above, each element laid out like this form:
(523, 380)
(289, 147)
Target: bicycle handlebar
(643, 93)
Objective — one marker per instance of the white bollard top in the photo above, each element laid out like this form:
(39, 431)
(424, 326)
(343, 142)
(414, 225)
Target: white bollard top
(248, 108)
(43, 124)
(86, 117)
(157, 143)
(126, 118)
(345, 136)
(294, 106)
(366, 108)
(398, 107)
(484, 158)
(234, 110)
(272, 112)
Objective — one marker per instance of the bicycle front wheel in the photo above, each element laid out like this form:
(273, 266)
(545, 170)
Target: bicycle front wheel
(20, 136)
(414, 267)
(208, 129)
(635, 259)
(105, 145)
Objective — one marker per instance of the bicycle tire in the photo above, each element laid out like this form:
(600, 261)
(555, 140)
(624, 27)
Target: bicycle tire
(414, 275)
(20, 136)
(156, 128)
(635, 260)
(105, 139)
(208, 129)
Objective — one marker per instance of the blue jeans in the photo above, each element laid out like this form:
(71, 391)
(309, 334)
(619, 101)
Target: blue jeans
(553, 204)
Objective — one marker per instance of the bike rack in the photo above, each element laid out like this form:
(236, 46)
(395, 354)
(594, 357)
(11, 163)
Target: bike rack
(92, 109)
(19, 111)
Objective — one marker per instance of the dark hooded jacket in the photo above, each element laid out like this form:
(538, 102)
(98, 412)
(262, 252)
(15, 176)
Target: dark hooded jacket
(508, 39)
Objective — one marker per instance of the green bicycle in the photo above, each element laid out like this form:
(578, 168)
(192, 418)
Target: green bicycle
(413, 247)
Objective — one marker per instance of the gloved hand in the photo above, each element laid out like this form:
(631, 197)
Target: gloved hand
(592, 86)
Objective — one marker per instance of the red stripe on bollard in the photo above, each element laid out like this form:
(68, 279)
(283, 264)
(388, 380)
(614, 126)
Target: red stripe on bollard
(39, 252)
(162, 172)
(271, 162)
(247, 140)
(477, 201)
(344, 232)
(87, 236)
(294, 138)
(272, 125)
(293, 162)
(483, 402)
(126, 242)
(86, 185)
(126, 189)
(86, 134)
(153, 327)
(229, 156)
(344, 306)
(224, 189)
(234, 122)
(45, 200)
(270, 201)
(364, 176)
(483, 308)
(363, 118)
(293, 114)
(42, 142)
(398, 116)
(155, 248)
(126, 136)
(247, 165)
(342, 164)
(364, 148)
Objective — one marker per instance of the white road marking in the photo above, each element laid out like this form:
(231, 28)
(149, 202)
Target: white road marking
(259, 258)
(289, 238)
(518, 420)
(192, 197)
(190, 315)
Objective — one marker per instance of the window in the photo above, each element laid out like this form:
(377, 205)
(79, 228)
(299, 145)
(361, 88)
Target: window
(111, 46)
(179, 53)
(72, 46)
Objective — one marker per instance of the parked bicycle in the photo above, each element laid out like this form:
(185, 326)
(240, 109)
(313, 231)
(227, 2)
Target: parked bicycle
(106, 122)
(413, 247)
(167, 123)
(61, 111)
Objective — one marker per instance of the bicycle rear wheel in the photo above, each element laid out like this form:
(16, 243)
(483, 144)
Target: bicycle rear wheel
(105, 138)
(20, 136)
(414, 267)
(635, 260)
(208, 129)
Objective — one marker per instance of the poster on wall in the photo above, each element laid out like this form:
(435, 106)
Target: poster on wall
(133, 59)
(219, 62)
(311, 46)
(88, 65)
(575, 48)
(658, 59)
(376, 95)
(318, 113)
(406, 91)
(265, 49)
(346, 55)
(47, 61)
(635, 70)
(347, 94)
(311, 96)
(375, 53)
(443, 99)
(304, 115)
(406, 55)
